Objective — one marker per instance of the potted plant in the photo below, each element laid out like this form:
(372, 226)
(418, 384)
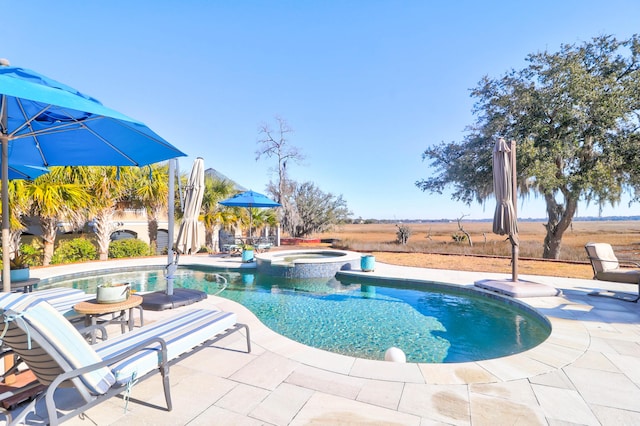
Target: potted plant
(19, 266)
(247, 252)
(113, 292)
(24, 257)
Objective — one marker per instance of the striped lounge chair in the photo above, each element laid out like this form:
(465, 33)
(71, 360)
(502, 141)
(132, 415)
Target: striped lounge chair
(63, 299)
(60, 357)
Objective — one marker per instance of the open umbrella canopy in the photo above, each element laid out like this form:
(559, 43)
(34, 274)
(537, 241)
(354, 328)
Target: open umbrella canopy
(26, 172)
(188, 239)
(47, 123)
(249, 199)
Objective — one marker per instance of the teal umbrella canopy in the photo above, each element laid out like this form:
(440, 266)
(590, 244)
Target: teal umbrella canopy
(47, 123)
(249, 199)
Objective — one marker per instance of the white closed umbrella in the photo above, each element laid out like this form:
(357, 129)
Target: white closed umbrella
(188, 240)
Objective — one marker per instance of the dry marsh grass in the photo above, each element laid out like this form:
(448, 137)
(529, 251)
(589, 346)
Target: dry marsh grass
(431, 245)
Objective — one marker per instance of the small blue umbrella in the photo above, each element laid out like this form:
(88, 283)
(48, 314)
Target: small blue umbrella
(249, 199)
(46, 123)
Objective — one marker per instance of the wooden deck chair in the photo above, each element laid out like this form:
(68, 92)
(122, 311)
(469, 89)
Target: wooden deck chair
(607, 267)
(60, 357)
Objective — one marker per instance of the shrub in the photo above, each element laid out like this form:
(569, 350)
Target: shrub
(31, 254)
(128, 248)
(403, 233)
(76, 250)
(459, 237)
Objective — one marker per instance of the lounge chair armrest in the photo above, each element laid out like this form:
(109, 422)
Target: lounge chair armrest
(86, 331)
(629, 262)
(69, 375)
(163, 362)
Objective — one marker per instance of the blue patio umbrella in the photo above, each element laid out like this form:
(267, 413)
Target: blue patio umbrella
(249, 199)
(47, 123)
(25, 172)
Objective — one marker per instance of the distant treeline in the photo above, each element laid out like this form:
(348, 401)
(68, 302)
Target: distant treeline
(577, 219)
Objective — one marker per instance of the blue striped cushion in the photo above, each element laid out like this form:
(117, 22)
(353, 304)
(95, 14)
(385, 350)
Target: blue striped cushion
(48, 326)
(63, 299)
(182, 333)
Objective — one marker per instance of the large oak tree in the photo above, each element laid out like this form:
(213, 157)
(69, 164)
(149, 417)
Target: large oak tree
(575, 115)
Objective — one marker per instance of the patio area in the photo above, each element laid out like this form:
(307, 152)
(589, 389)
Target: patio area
(585, 373)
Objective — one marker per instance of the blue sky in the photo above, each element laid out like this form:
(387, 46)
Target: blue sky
(366, 85)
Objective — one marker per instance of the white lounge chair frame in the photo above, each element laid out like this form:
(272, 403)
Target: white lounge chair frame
(59, 356)
(607, 267)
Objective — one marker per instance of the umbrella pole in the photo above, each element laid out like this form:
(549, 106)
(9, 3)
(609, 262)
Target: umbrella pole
(4, 175)
(6, 265)
(171, 266)
(515, 249)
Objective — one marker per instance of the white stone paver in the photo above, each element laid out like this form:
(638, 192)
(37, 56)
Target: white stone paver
(585, 373)
(382, 393)
(324, 409)
(282, 405)
(445, 403)
(326, 381)
(267, 371)
(605, 388)
(491, 411)
(564, 405)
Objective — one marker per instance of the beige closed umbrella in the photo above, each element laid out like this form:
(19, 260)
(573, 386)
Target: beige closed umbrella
(188, 240)
(505, 221)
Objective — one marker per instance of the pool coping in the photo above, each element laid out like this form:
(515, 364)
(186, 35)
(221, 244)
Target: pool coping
(568, 341)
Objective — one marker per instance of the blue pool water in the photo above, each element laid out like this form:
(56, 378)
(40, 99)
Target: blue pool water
(430, 324)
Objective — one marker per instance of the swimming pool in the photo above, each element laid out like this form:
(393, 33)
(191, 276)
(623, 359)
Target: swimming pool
(433, 323)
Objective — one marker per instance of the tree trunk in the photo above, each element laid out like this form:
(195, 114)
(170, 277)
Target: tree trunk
(152, 225)
(210, 238)
(560, 217)
(104, 228)
(49, 230)
(14, 240)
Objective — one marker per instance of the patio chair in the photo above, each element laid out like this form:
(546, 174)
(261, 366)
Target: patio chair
(26, 384)
(607, 267)
(263, 244)
(60, 357)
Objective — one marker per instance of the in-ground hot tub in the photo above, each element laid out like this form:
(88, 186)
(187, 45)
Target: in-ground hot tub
(306, 263)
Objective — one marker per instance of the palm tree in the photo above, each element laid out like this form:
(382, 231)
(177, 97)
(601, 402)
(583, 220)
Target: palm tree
(152, 189)
(261, 218)
(213, 214)
(19, 204)
(53, 199)
(108, 186)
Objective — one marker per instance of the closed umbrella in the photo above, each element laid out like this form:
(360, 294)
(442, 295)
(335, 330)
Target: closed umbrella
(47, 123)
(504, 186)
(249, 199)
(188, 240)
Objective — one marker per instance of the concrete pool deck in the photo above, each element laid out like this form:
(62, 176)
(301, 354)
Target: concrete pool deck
(587, 372)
